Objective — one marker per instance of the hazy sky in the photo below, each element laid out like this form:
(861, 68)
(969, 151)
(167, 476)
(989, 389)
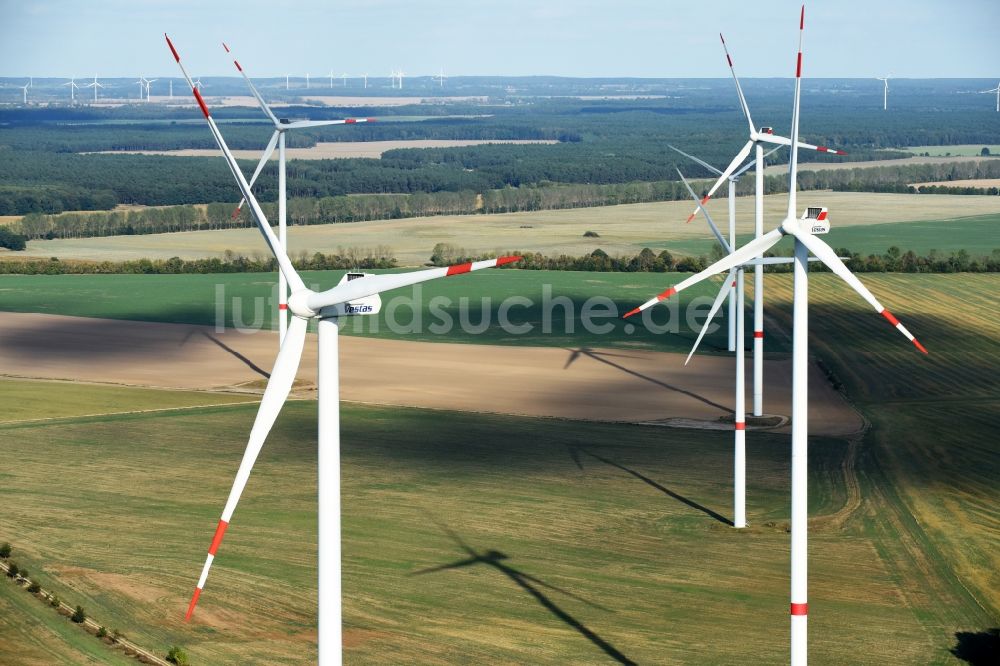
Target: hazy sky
(644, 38)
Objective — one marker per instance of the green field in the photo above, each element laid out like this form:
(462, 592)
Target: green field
(192, 299)
(116, 512)
(626, 521)
(978, 235)
(943, 151)
(26, 400)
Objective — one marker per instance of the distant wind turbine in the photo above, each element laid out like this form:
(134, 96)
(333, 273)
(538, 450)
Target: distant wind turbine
(72, 89)
(440, 77)
(365, 75)
(885, 92)
(997, 91)
(331, 78)
(95, 85)
(24, 90)
(344, 76)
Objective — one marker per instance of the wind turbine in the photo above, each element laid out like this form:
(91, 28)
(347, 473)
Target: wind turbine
(357, 293)
(24, 91)
(997, 91)
(734, 178)
(72, 89)
(149, 81)
(365, 75)
(171, 88)
(95, 85)
(278, 138)
(286, 82)
(344, 76)
(885, 92)
(802, 230)
(197, 84)
(331, 78)
(440, 77)
(399, 73)
(758, 137)
(307, 80)
(142, 84)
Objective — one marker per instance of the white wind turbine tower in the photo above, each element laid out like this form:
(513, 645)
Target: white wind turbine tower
(365, 75)
(734, 281)
(885, 92)
(758, 138)
(344, 77)
(171, 88)
(142, 86)
(307, 80)
(287, 87)
(801, 229)
(331, 78)
(72, 89)
(278, 138)
(148, 82)
(994, 90)
(441, 77)
(24, 92)
(357, 293)
(95, 85)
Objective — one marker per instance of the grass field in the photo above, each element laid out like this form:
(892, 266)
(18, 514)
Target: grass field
(626, 521)
(622, 229)
(26, 400)
(965, 150)
(977, 234)
(193, 299)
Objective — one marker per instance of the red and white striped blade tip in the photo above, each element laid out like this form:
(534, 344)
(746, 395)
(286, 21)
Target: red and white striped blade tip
(172, 49)
(194, 602)
(507, 260)
(225, 47)
(659, 297)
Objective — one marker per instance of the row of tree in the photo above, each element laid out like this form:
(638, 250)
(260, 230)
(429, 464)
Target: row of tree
(231, 262)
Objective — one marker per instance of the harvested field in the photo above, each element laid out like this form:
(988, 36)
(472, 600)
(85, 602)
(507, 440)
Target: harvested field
(591, 384)
(622, 229)
(971, 182)
(333, 149)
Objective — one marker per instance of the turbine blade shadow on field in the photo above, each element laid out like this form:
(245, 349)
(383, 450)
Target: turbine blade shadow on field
(529, 584)
(648, 481)
(246, 361)
(601, 357)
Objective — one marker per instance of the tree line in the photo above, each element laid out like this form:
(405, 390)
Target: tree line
(231, 262)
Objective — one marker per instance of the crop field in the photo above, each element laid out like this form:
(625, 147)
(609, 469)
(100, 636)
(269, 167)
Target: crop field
(196, 299)
(32, 400)
(933, 447)
(977, 235)
(961, 150)
(335, 149)
(571, 542)
(622, 229)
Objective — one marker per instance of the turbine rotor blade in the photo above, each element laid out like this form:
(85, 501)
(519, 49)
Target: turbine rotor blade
(284, 263)
(253, 89)
(727, 285)
(782, 141)
(739, 88)
(752, 163)
(376, 284)
(826, 254)
(321, 123)
(738, 160)
(268, 151)
(278, 386)
(698, 160)
(737, 257)
(715, 230)
(794, 161)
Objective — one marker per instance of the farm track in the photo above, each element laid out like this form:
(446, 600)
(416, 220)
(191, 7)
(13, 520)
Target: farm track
(143, 655)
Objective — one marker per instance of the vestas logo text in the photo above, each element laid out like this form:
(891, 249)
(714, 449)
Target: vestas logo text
(357, 309)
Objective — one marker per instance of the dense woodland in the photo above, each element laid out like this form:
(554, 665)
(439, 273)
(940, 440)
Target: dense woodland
(602, 142)
(354, 208)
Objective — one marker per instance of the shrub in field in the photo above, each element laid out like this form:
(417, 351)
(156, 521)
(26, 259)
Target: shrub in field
(35, 587)
(102, 632)
(5, 550)
(12, 570)
(78, 615)
(177, 656)
(54, 601)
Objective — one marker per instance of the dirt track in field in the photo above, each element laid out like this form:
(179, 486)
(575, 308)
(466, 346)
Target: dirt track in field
(604, 385)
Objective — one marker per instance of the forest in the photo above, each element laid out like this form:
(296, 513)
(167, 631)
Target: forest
(48, 165)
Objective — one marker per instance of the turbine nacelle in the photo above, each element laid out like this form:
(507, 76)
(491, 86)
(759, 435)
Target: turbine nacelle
(815, 218)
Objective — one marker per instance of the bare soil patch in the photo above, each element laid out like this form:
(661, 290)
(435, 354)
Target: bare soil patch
(587, 384)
